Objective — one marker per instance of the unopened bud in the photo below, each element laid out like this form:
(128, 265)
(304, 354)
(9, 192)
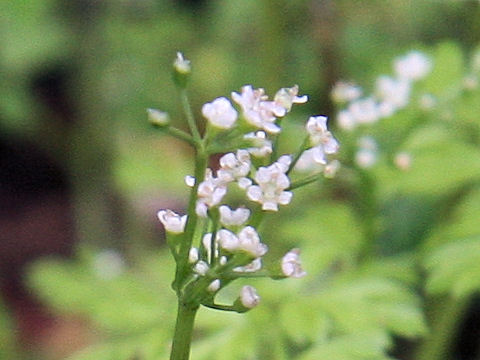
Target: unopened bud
(181, 70)
(158, 118)
(248, 299)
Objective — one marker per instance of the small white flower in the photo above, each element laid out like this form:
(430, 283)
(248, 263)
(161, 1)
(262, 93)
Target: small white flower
(261, 145)
(234, 166)
(257, 110)
(201, 268)
(249, 241)
(181, 64)
(403, 161)
(214, 285)
(286, 97)
(220, 113)
(307, 163)
(229, 217)
(210, 193)
(394, 92)
(193, 255)
(344, 92)
(320, 136)
(367, 154)
(228, 240)
(157, 117)
(291, 264)
(173, 222)
(190, 181)
(346, 120)
(413, 66)
(272, 181)
(249, 297)
(255, 265)
(364, 111)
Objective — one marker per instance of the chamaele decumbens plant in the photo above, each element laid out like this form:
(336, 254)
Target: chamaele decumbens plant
(214, 244)
(394, 234)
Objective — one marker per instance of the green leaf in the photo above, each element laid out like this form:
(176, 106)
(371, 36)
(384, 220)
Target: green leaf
(454, 268)
(365, 346)
(448, 69)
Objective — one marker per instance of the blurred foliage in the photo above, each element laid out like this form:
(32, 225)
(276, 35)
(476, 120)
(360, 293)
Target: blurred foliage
(421, 232)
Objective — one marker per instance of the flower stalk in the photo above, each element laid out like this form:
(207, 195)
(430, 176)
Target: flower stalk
(215, 244)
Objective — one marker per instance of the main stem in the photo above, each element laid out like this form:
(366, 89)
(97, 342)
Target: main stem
(183, 332)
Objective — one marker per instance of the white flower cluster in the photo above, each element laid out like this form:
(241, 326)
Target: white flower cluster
(391, 93)
(257, 110)
(231, 245)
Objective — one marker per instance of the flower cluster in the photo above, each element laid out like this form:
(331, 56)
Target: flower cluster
(391, 93)
(224, 243)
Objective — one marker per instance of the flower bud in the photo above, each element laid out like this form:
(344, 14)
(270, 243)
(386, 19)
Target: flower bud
(181, 70)
(214, 285)
(158, 118)
(291, 265)
(247, 300)
(173, 222)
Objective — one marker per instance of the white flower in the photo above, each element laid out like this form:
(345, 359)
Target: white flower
(261, 145)
(291, 265)
(257, 110)
(413, 66)
(201, 268)
(214, 285)
(234, 166)
(210, 193)
(322, 139)
(249, 297)
(307, 162)
(272, 182)
(346, 120)
(228, 240)
(345, 92)
(255, 265)
(190, 180)
(319, 134)
(367, 154)
(286, 97)
(173, 222)
(157, 117)
(193, 255)
(229, 217)
(181, 64)
(394, 92)
(364, 111)
(249, 241)
(220, 113)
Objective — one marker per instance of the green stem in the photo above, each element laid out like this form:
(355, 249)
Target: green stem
(187, 109)
(185, 245)
(183, 332)
(302, 182)
(179, 134)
